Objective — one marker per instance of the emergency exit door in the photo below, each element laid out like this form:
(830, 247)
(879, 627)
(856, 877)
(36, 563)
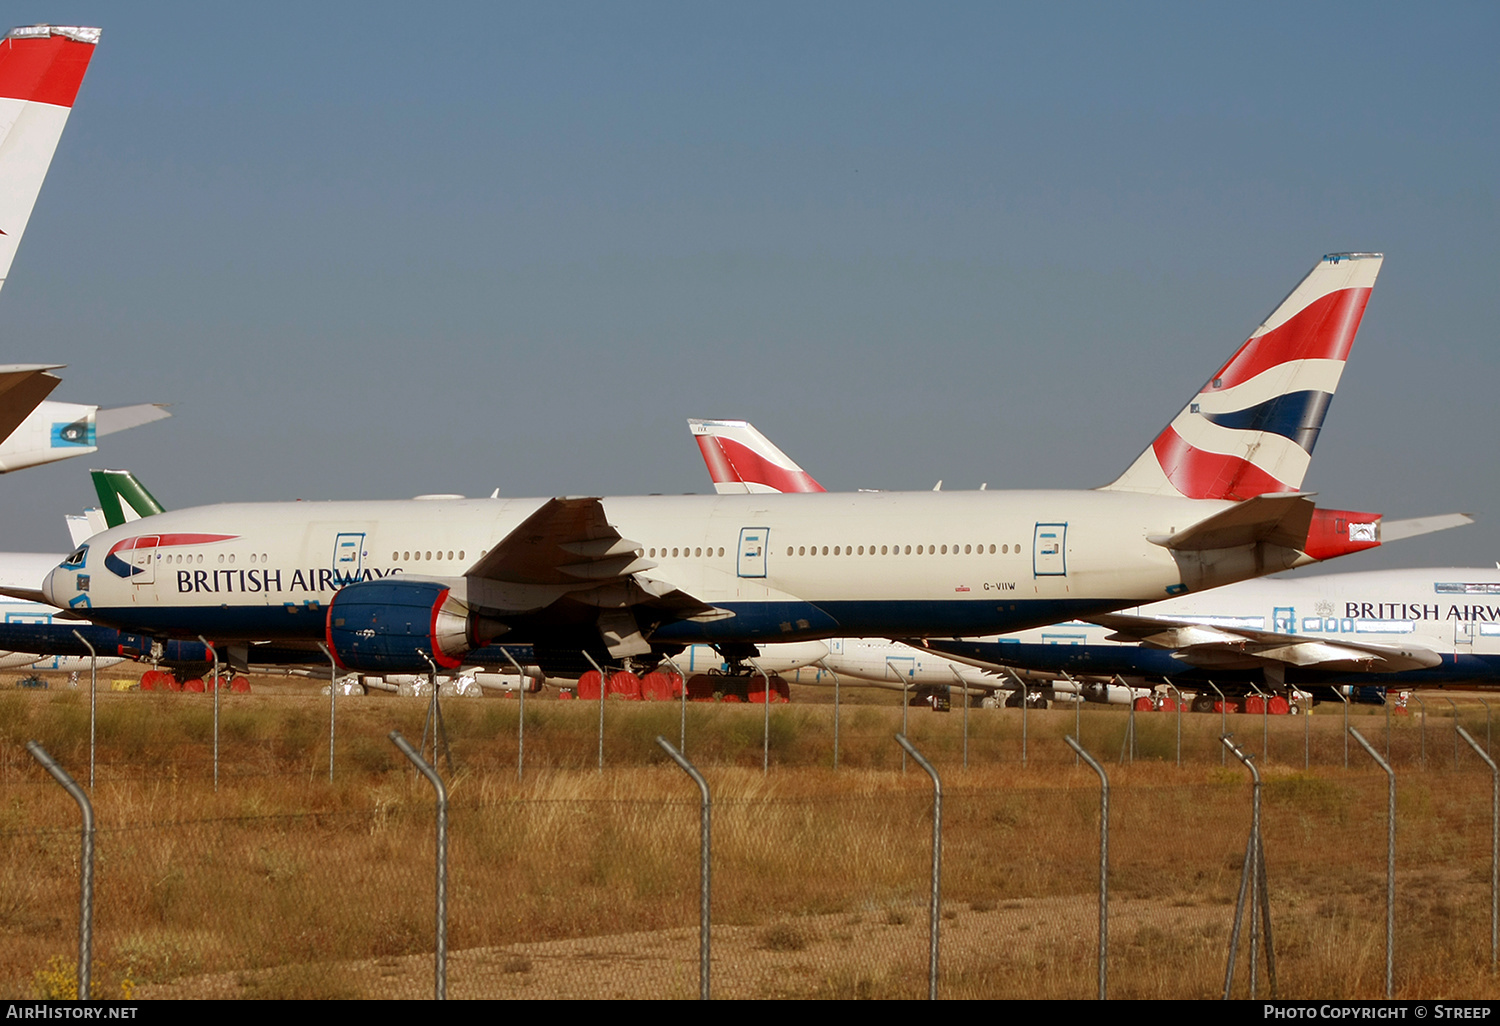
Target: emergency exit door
(1049, 553)
(753, 544)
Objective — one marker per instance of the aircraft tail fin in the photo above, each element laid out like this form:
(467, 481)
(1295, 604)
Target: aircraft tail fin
(1251, 429)
(122, 497)
(41, 68)
(741, 460)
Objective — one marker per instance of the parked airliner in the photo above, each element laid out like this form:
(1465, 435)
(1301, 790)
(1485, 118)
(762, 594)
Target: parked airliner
(1365, 628)
(401, 586)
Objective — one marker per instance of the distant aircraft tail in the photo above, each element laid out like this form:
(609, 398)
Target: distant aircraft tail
(122, 497)
(1251, 430)
(41, 68)
(740, 459)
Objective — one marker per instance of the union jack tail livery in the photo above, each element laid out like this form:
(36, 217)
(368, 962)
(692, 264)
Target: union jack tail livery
(742, 460)
(1251, 429)
(41, 68)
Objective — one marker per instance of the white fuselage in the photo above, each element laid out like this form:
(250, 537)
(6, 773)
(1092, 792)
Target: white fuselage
(801, 566)
(1452, 612)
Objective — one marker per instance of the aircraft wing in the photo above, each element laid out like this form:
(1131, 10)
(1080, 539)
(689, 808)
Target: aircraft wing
(568, 541)
(22, 389)
(567, 555)
(1228, 646)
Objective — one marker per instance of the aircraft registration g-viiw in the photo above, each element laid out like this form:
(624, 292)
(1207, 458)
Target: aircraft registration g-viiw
(390, 586)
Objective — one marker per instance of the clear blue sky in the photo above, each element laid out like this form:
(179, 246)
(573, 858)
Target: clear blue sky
(370, 253)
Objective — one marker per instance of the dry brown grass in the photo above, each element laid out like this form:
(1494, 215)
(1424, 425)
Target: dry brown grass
(281, 885)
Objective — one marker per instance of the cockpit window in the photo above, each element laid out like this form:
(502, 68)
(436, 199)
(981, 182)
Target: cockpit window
(77, 558)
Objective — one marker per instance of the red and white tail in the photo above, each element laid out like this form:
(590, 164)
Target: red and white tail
(740, 459)
(1251, 430)
(41, 68)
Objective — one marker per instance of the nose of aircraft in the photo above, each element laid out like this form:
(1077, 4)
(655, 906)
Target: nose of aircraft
(52, 590)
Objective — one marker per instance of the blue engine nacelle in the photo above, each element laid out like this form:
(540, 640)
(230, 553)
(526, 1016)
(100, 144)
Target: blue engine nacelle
(393, 626)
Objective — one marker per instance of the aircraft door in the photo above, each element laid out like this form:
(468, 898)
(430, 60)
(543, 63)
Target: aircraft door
(1049, 554)
(143, 560)
(1463, 637)
(1284, 620)
(902, 668)
(349, 556)
(753, 545)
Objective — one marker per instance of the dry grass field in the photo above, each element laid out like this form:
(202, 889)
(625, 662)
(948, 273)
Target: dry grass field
(575, 884)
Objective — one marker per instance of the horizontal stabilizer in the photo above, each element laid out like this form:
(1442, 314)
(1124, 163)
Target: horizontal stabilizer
(1278, 519)
(123, 418)
(1394, 530)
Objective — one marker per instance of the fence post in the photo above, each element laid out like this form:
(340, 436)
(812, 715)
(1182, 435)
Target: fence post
(603, 686)
(86, 867)
(905, 705)
(215, 653)
(1486, 724)
(1223, 719)
(1345, 699)
(93, 699)
(704, 866)
(521, 684)
(440, 959)
(824, 664)
(1385, 700)
(1423, 725)
(1077, 707)
(333, 687)
(1103, 863)
(1021, 684)
(435, 717)
(1306, 708)
(765, 732)
(1179, 720)
(1127, 746)
(1265, 705)
(1390, 865)
(1253, 875)
(935, 913)
(1455, 729)
(963, 689)
(1494, 848)
(681, 705)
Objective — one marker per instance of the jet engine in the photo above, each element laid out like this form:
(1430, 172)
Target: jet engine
(394, 626)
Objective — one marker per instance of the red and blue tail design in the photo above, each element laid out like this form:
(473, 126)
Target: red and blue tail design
(1251, 430)
(740, 459)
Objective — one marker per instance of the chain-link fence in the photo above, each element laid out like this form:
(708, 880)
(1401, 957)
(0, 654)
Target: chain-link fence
(574, 883)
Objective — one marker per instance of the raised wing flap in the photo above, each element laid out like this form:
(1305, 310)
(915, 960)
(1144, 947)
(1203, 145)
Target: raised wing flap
(1280, 519)
(566, 541)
